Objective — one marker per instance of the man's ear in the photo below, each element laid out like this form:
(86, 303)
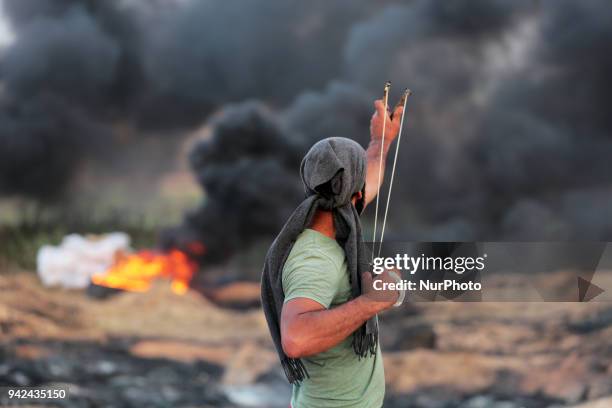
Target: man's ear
(359, 201)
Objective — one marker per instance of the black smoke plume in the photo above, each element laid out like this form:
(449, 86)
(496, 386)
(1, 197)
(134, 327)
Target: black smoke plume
(247, 169)
(509, 117)
(508, 133)
(341, 109)
(159, 67)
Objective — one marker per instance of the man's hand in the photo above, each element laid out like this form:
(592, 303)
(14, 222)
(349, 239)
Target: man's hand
(376, 149)
(384, 297)
(392, 125)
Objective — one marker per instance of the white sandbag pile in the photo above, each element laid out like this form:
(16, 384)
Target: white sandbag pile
(77, 258)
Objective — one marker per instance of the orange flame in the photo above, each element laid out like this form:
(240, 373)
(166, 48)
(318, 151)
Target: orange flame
(135, 272)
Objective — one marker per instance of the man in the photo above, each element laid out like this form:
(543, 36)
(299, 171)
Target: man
(317, 292)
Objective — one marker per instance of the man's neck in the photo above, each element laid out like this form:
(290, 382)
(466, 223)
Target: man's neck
(323, 222)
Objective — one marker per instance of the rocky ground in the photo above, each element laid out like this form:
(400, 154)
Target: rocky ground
(158, 349)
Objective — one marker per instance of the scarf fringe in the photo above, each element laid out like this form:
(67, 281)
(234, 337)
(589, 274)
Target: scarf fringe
(364, 344)
(294, 370)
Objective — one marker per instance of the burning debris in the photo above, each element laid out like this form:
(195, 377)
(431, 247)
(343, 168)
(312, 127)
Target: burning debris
(108, 261)
(77, 259)
(135, 272)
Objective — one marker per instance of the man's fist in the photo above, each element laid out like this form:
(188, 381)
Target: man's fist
(384, 296)
(392, 125)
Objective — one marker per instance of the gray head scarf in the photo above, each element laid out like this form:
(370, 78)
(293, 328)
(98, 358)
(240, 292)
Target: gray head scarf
(332, 172)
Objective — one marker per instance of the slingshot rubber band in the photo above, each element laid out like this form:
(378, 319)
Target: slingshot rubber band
(407, 93)
(380, 163)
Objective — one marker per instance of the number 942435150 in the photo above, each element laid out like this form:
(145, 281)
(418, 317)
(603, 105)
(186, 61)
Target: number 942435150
(30, 393)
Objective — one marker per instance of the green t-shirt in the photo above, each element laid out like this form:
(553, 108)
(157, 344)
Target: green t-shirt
(316, 269)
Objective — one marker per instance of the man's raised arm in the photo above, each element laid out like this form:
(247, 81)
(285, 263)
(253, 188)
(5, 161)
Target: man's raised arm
(376, 146)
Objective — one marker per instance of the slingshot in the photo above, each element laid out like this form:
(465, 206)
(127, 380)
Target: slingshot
(401, 102)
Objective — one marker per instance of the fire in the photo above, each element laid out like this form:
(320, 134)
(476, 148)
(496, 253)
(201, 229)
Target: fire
(135, 272)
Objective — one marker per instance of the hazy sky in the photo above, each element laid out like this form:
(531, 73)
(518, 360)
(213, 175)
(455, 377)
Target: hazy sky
(6, 36)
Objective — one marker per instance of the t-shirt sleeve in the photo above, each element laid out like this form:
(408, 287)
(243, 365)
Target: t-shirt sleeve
(313, 276)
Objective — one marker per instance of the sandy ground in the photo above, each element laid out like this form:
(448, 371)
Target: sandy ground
(526, 354)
